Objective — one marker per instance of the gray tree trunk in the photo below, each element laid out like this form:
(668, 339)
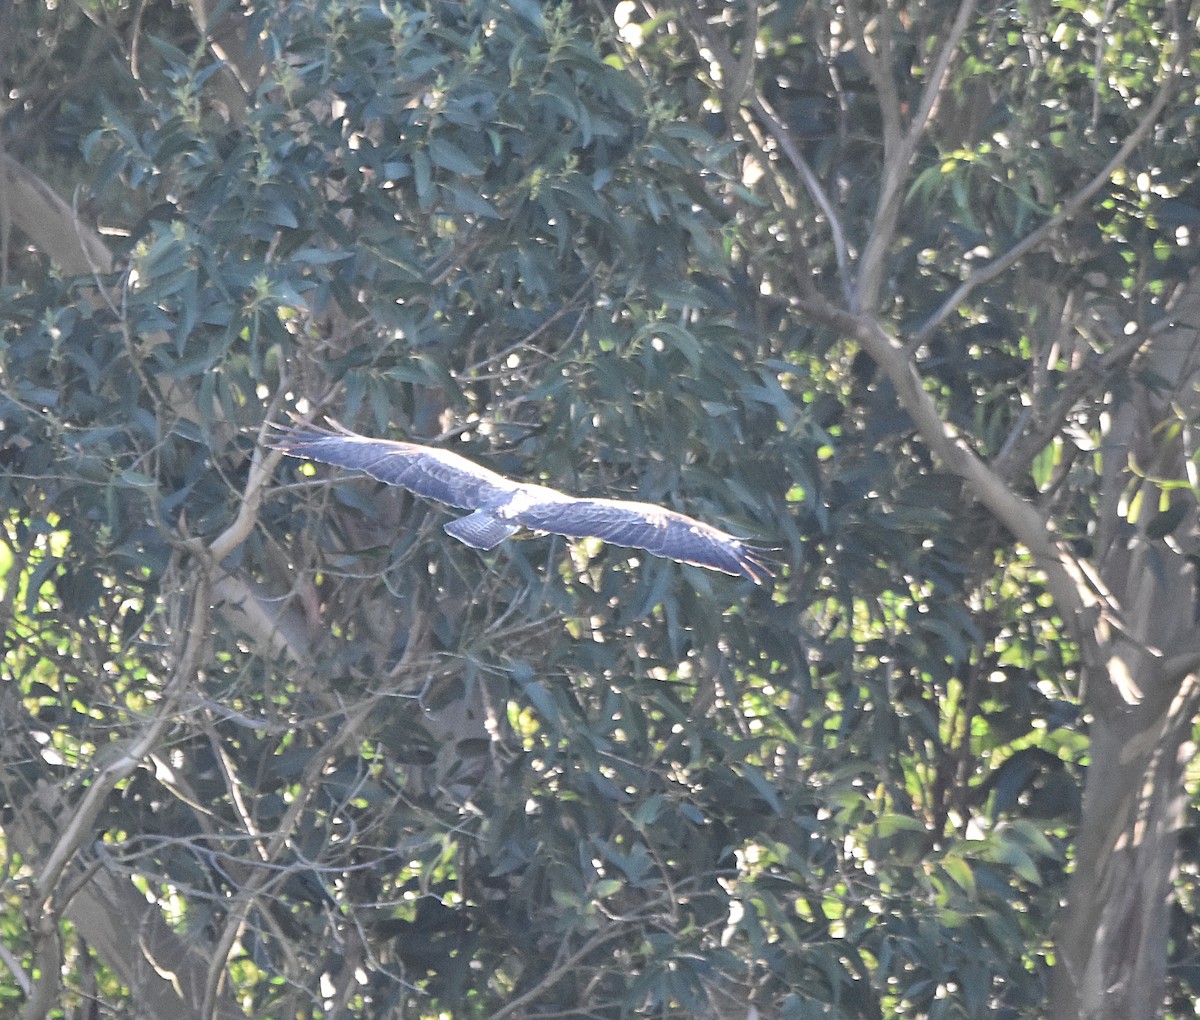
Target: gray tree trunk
(1141, 693)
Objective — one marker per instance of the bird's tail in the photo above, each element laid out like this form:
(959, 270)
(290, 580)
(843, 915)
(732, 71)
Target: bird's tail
(481, 530)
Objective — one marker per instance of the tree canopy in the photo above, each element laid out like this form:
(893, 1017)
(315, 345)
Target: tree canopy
(906, 293)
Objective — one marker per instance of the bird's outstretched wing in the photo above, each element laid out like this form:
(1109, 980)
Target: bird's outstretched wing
(426, 470)
(502, 506)
(646, 526)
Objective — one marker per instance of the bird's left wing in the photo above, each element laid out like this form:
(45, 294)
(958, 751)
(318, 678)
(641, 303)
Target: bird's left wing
(646, 526)
(426, 470)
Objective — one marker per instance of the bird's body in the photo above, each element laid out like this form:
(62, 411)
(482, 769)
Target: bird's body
(502, 507)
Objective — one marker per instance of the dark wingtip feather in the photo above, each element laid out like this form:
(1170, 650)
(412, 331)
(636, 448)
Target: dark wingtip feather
(756, 565)
(301, 430)
(748, 561)
(298, 439)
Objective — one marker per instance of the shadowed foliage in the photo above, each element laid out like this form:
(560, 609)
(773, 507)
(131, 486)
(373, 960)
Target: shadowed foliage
(909, 291)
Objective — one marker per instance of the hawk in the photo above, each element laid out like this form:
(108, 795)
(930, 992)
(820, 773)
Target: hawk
(502, 507)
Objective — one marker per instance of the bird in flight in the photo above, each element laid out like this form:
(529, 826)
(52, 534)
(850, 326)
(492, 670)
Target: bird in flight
(502, 507)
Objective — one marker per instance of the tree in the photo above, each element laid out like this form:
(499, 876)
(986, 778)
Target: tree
(1105, 365)
(905, 292)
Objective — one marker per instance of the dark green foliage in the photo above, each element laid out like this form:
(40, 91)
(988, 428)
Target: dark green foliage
(665, 792)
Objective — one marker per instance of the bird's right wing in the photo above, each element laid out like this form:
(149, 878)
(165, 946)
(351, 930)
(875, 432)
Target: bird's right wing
(426, 470)
(646, 526)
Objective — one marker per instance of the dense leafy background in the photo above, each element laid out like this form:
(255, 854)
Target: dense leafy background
(553, 780)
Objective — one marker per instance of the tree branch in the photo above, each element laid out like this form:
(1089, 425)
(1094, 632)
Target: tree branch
(1081, 600)
(736, 74)
(898, 158)
(558, 972)
(262, 465)
(783, 138)
(50, 223)
(47, 966)
(273, 622)
(130, 756)
(879, 70)
(15, 968)
(249, 889)
(1066, 212)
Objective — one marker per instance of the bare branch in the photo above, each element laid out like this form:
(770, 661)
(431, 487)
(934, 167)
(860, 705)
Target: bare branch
(898, 158)
(47, 965)
(783, 138)
(879, 70)
(75, 830)
(737, 76)
(50, 222)
(262, 465)
(250, 889)
(560, 970)
(15, 968)
(1079, 599)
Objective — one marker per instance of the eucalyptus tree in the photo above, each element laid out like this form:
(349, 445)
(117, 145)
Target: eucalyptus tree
(993, 212)
(902, 293)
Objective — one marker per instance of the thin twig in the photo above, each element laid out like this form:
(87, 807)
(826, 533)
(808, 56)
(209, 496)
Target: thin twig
(559, 972)
(735, 73)
(15, 968)
(783, 138)
(249, 890)
(262, 465)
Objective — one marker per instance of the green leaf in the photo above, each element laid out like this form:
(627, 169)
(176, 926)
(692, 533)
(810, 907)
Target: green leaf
(531, 12)
(762, 786)
(1165, 522)
(449, 157)
(960, 871)
(542, 700)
